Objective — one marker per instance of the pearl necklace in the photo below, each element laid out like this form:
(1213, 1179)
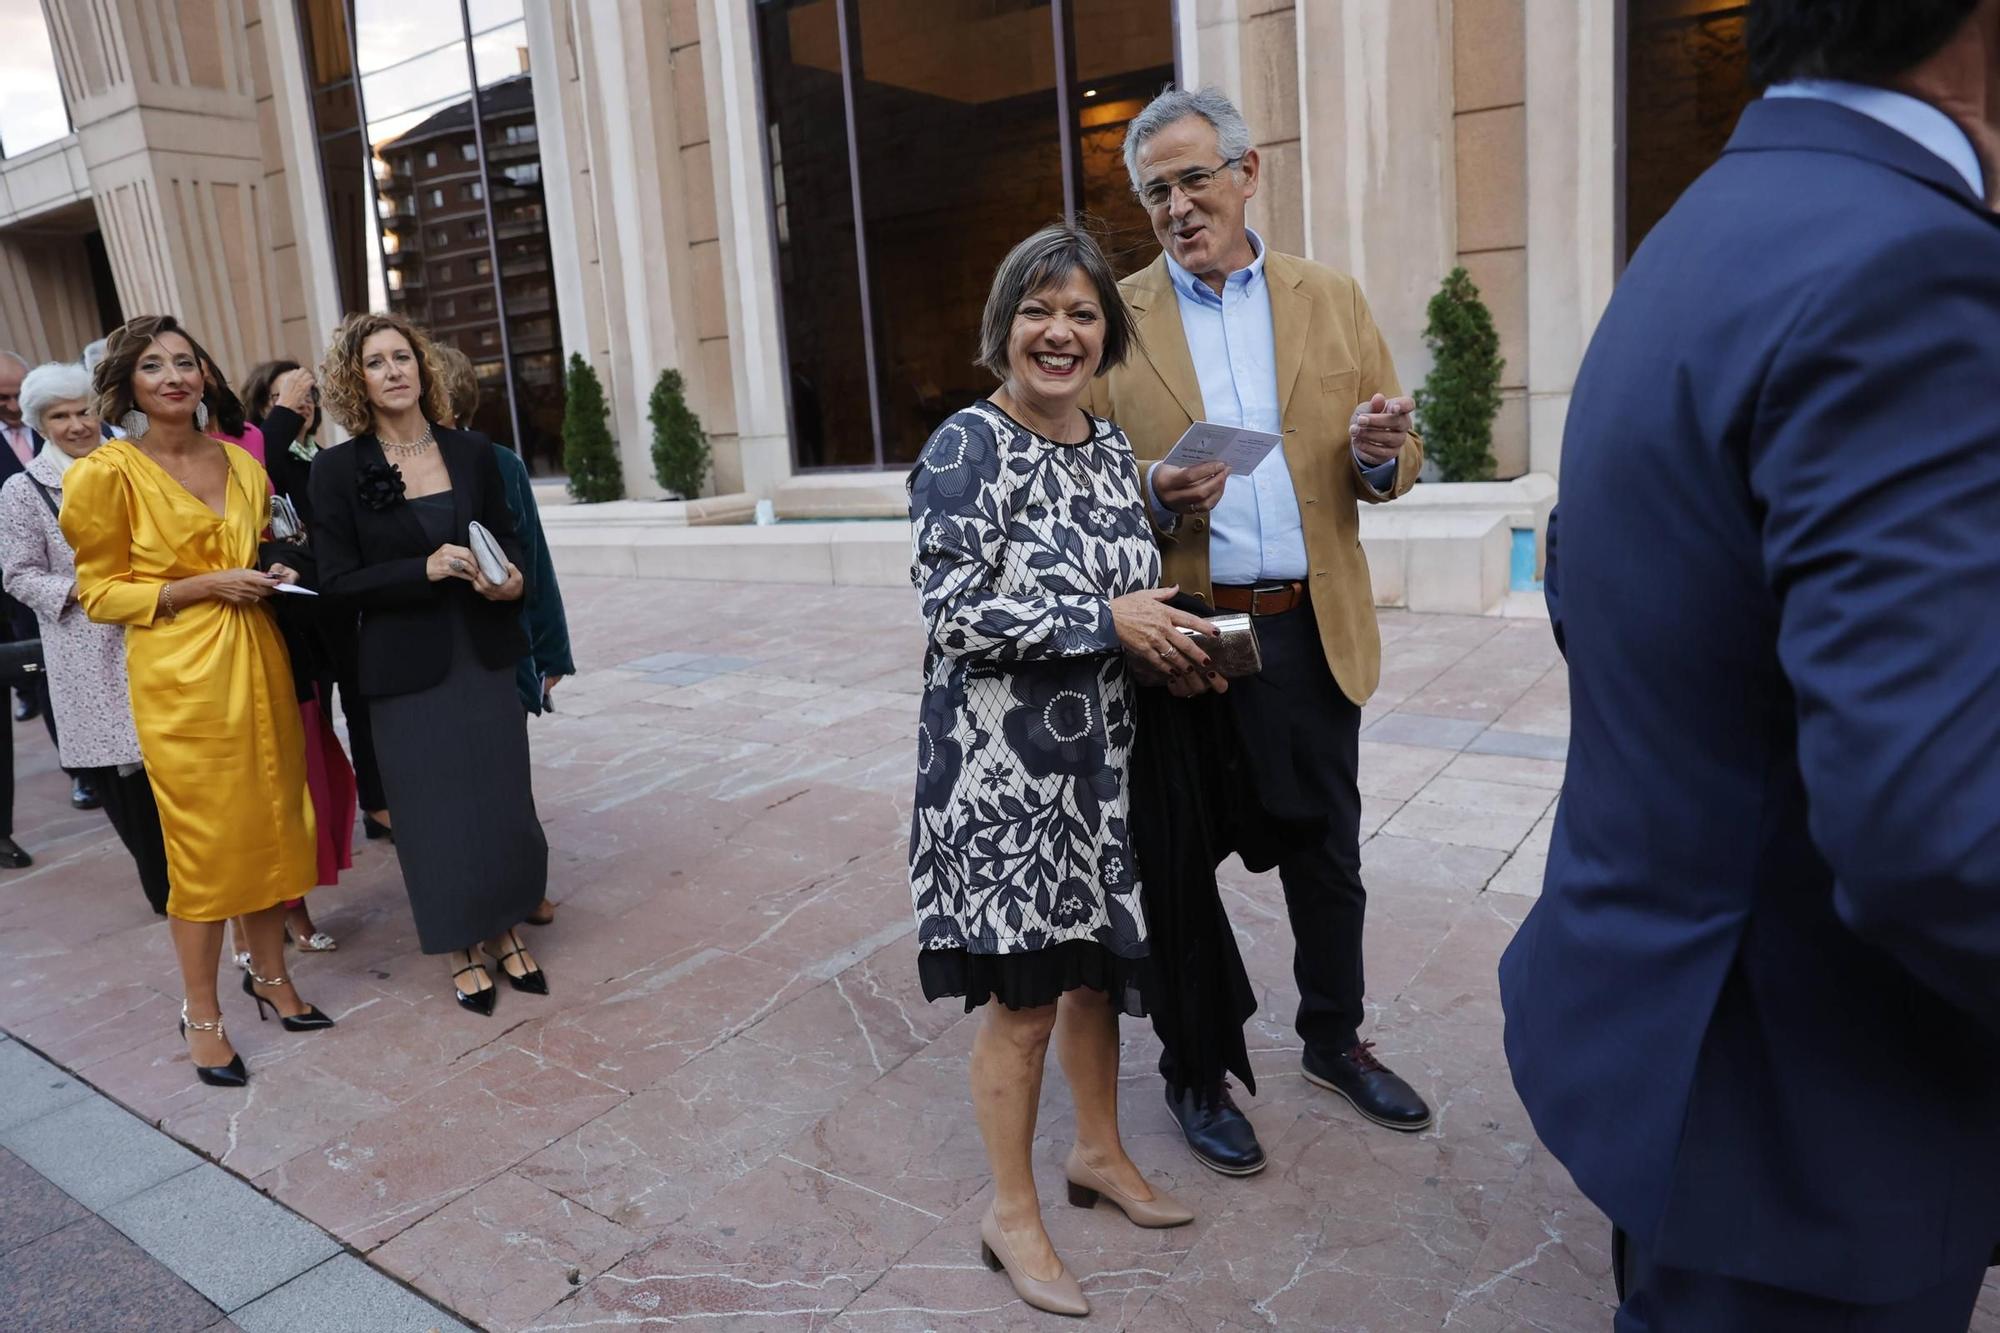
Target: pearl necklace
(413, 448)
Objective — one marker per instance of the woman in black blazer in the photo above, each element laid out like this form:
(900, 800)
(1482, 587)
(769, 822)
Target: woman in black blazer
(391, 512)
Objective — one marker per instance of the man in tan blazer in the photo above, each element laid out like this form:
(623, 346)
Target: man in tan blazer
(1232, 333)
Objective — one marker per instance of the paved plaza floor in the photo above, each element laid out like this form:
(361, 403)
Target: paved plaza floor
(735, 1109)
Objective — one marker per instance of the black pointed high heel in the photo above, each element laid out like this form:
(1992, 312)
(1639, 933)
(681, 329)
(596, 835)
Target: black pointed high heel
(373, 828)
(479, 1001)
(533, 981)
(231, 1075)
(312, 1020)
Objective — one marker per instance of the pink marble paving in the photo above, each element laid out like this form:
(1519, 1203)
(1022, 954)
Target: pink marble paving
(735, 1109)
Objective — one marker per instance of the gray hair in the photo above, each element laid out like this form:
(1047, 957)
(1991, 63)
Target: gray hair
(51, 383)
(94, 353)
(1232, 132)
(16, 358)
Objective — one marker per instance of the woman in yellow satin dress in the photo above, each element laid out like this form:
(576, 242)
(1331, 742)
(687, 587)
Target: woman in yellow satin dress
(165, 525)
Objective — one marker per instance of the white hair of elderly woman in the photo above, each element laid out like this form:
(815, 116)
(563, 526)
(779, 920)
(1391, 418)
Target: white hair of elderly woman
(50, 383)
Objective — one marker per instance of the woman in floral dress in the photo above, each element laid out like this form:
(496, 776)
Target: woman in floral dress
(1037, 569)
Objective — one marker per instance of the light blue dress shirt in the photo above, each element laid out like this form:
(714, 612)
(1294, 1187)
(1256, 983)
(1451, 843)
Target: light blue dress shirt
(1911, 116)
(1255, 533)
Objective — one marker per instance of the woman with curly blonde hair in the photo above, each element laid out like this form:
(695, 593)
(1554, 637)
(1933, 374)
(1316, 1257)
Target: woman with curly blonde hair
(439, 640)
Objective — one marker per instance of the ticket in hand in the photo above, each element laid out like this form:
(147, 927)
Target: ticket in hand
(1206, 442)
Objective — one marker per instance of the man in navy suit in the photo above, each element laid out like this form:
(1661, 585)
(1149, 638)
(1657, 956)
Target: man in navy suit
(1756, 1011)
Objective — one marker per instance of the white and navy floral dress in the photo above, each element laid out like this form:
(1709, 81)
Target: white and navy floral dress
(1021, 863)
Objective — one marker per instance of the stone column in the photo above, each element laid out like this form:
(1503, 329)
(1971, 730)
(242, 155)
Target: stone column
(750, 282)
(632, 155)
(1376, 116)
(1489, 119)
(164, 100)
(562, 137)
(635, 177)
(1250, 50)
(297, 220)
(1573, 87)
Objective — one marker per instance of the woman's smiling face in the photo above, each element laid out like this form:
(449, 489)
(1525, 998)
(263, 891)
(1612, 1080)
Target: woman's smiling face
(167, 379)
(1057, 339)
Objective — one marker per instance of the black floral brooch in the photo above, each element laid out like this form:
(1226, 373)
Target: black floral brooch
(380, 485)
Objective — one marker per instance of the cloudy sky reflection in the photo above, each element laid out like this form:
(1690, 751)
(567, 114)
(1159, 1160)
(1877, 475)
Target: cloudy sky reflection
(412, 59)
(31, 103)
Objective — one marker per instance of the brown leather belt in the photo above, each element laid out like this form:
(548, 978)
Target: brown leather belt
(1265, 599)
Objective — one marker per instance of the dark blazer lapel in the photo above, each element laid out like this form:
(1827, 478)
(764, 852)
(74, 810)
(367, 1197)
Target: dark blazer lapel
(1162, 340)
(1291, 323)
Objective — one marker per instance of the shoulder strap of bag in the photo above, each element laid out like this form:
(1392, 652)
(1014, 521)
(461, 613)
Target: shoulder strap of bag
(48, 496)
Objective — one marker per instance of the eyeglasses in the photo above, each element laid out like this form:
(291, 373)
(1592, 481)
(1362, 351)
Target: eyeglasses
(1189, 183)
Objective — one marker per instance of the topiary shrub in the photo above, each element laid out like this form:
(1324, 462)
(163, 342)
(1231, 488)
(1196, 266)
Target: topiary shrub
(589, 454)
(680, 449)
(1461, 395)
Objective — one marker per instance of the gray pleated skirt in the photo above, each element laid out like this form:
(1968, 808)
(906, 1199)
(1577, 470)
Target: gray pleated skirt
(454, 761)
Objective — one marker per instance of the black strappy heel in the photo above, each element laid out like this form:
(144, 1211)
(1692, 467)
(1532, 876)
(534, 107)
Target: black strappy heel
(479, 1001)
(312, 1020)
(532, 981)
(231, 1075)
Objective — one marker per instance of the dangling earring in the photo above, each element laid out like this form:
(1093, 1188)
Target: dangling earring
(135, 424)
(201, 417)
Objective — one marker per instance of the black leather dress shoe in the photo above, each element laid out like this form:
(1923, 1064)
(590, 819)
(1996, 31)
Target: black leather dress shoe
(83, 796)
(1219, 1135)
(12, 857)
(26, 710)
(1373, 1088)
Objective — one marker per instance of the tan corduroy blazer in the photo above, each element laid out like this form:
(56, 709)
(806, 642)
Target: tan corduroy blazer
(1331, 358)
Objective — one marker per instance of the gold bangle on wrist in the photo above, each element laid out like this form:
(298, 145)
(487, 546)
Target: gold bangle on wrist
(167, 600)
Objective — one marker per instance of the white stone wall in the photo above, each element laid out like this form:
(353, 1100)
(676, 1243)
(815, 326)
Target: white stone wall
(1399, 137)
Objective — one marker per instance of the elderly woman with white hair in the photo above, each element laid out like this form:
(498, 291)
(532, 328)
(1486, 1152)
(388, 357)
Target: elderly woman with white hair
(89, 700)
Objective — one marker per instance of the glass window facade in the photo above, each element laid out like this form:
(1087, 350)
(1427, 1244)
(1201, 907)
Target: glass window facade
(911, 144)
(1687, 80)
(437, 211)
(32, 110)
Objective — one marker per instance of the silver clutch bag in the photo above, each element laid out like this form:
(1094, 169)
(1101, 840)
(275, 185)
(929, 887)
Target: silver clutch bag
(492, 560)
(1233, 648)
(285, 525)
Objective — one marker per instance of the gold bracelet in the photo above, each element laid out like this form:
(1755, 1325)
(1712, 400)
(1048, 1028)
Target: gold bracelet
(167, 600)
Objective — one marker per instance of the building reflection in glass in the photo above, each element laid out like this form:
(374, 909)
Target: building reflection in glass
(912, 143)
(1124, 59)
(459, 226)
